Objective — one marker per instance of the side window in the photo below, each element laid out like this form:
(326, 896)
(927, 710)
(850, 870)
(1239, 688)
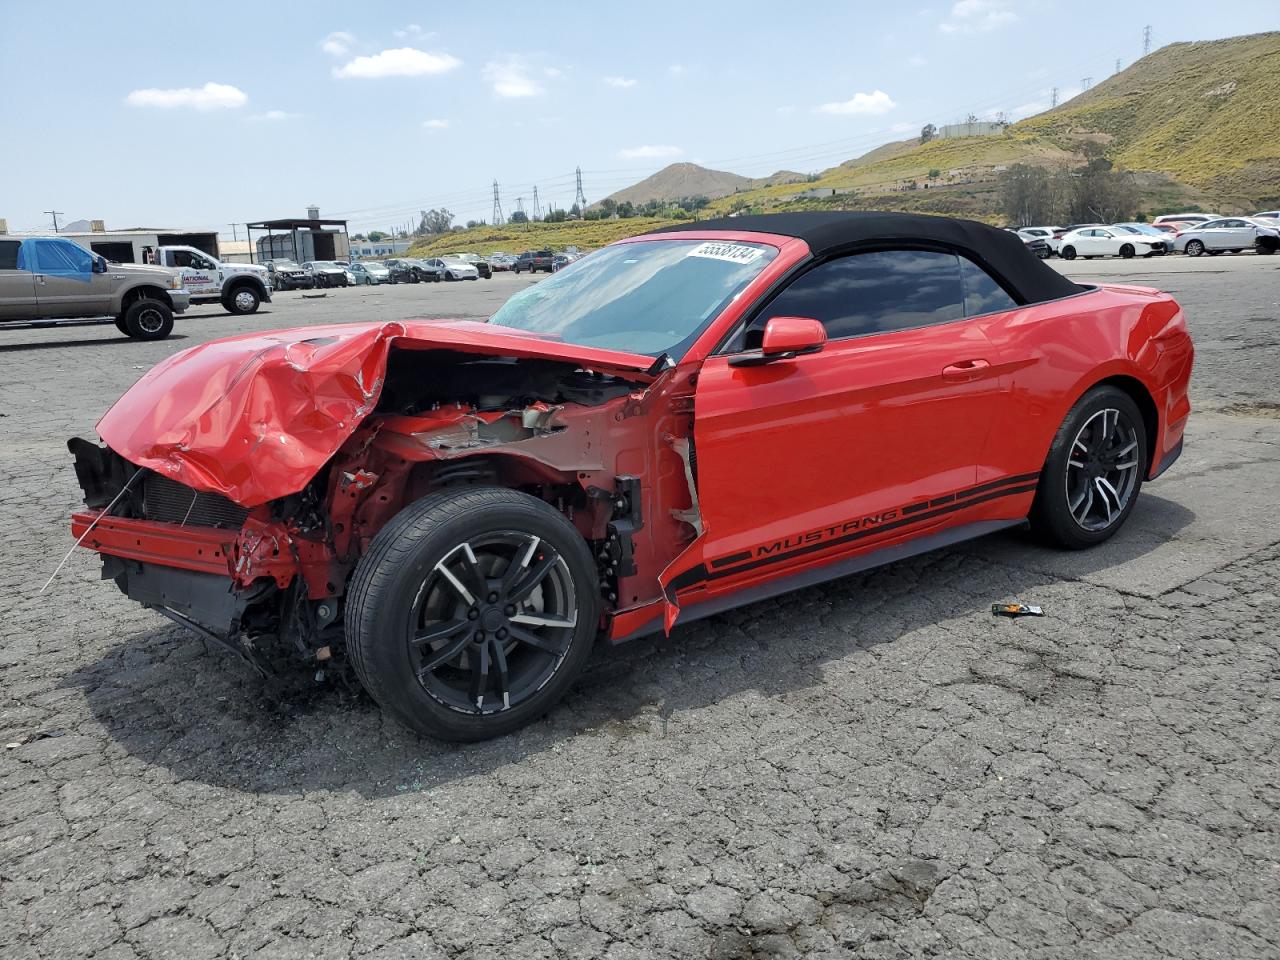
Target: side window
(62, 256)
(9, 254)
(877, 292)
(981, 292)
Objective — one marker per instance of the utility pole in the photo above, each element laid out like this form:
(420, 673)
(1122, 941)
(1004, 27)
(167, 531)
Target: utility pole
(1086, 83)
(580, 198)
(497, 206)
(1146, 40)
(55, 214)
(234, 236)
(1053, 98)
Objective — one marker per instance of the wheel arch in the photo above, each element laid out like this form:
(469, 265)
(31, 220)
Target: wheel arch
(242, 280)
(145, 291)
(1141, 396)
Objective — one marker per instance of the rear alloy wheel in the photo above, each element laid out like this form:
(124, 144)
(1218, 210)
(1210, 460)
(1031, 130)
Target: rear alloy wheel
(472, 612)
(242, 300)
(1068, 253)
(1194, 248)
(148, 319)
(1127, 251)
(1092, 477)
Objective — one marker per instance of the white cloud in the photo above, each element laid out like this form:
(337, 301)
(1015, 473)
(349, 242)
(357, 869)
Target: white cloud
(212, 96)
(621, 82)
(273, 116)
(916, 61)
(978, 16)
(510, 78)
(400, 62)
(649, 152)
(676, 69)
(413, 30)
(553, 72)
(338, 43)
(435, 124)
(869, 104)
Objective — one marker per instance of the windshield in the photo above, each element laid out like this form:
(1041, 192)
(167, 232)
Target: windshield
(1140, 228)
(651, 297)
(284, 263)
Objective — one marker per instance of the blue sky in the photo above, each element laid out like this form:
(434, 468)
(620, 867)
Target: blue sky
(199, 115)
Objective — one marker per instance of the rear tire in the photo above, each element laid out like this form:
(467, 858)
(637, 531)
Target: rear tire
(432, 635)
(147, 319)
(1079, 501)
(1127, 251)
(1068, 253)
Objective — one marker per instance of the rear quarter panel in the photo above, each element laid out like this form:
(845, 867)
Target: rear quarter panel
(1051, 354)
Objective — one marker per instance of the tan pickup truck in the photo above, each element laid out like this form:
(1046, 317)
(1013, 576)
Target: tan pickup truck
(51, 278)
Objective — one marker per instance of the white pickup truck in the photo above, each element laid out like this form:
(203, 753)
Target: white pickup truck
(239, 287)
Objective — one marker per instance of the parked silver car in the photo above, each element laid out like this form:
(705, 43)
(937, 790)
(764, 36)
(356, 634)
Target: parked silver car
(1232, 234)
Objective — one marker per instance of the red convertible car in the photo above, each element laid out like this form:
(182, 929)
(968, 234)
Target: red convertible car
(679, 423)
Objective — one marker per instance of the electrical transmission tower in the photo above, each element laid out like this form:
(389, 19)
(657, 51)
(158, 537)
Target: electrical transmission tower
(580, 198)
(1086, 83)
(537, 207)
(1053, 98)
(1146, 40)
(1117, 64)
(497, 206)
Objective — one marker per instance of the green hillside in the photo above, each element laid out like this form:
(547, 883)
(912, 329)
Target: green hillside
(1197, 124)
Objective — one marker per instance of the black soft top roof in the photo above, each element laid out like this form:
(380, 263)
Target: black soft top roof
(828, 232)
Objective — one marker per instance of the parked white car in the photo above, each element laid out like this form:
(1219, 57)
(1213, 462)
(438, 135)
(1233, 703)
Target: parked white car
(1124, 242)
(455, 269)
(369, 272)
(1269, 214)
(1186, 218)
(1229, 233)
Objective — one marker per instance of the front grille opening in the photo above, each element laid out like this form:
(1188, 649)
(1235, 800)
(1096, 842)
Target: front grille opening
(171, 502)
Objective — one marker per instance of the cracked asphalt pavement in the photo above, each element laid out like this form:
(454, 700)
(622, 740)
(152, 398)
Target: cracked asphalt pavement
(874, 768)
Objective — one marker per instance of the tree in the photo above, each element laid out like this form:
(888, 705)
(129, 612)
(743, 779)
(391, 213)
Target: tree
(518, 216)
(472, 224)
(626, 209)
(575, 212)
(556, 216)
(928, 132)
(376, 235)
(434, 222)
(1028, 195)
(608, 206)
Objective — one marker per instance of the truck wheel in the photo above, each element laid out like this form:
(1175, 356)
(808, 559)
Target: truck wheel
(147, 319)
(472, 612)
(120, 325)
(242, 299)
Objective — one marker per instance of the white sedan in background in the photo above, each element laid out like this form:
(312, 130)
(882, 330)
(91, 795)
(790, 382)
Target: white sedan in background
(455, 269)
(1230, 233)
(1114, 241)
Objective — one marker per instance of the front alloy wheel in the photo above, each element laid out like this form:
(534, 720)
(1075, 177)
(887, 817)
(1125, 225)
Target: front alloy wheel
(472, 612)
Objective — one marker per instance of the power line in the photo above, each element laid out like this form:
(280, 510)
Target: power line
(55, 214)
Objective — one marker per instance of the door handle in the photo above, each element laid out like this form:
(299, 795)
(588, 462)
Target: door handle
(965, 370)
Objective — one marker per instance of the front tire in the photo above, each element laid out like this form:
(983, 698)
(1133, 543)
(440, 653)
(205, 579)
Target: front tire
(1127, 251)
(242, 300)
(147, 319)
(1194, 248)
(1093, 474)
(472, 612)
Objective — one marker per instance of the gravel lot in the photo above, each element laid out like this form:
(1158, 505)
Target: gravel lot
(873, 768)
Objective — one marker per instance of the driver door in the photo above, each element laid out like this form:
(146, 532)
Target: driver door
(199, 274)
(815, 456)
(66, 283)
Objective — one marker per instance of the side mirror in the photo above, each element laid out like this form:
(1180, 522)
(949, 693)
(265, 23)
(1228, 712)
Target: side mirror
(99, 264)
(784, 339)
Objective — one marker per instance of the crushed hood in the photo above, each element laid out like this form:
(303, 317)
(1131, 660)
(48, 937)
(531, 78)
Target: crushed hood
(255, 417)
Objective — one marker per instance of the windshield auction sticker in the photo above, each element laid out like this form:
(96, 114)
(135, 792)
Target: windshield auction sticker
(732, 252)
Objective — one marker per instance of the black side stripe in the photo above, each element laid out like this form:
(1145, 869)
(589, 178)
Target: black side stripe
(982, 493)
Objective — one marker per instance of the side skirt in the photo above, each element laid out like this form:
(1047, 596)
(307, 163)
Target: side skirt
(832, 571)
